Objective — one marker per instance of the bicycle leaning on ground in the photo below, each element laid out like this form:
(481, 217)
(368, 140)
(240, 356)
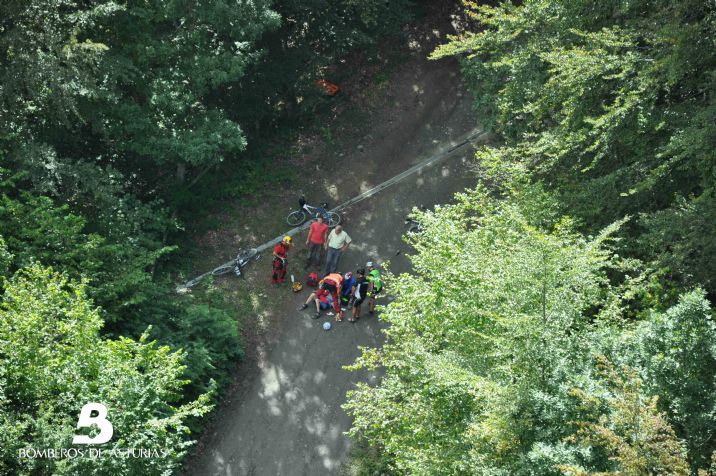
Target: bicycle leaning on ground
(241, 260)
(236, 265)
(306, 211)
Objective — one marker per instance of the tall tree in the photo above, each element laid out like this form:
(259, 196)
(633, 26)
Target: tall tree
(166, 61)
(636, 437)
(48, 65)
(483, 341)
(677, 352)
(53, 361)
(612, 105)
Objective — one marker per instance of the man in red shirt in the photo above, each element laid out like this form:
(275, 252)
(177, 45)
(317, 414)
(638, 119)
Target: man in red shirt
(280, 259)
(317, 235)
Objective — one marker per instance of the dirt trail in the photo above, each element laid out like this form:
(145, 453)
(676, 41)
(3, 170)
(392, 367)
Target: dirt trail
(286, 418)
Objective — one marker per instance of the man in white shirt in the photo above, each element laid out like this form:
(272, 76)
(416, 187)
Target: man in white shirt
(337, 242)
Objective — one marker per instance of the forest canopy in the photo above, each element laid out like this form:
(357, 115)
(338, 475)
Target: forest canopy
(560, 317)
(611, 105)
(111, 115)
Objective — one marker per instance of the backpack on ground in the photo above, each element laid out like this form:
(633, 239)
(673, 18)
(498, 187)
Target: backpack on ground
(312, 280)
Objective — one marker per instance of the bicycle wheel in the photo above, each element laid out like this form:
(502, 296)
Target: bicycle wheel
(295, 218)
(332, 219)
(246, 254)
(223, 269)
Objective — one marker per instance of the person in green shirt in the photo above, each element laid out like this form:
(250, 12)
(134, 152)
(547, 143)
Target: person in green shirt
(376, 285)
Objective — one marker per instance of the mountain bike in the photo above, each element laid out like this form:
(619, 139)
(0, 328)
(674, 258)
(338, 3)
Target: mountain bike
(235, 265)
(241, 260)
(306, 211)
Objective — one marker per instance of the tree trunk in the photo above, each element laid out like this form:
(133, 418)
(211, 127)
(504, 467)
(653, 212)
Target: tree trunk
(181, 172)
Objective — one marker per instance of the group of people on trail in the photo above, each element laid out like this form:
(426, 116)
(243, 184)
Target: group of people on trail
(319, 239)
(335, 290)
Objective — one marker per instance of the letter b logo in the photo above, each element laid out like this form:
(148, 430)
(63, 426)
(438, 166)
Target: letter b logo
(87, 420)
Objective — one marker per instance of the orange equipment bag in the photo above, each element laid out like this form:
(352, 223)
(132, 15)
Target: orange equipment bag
(328, 87)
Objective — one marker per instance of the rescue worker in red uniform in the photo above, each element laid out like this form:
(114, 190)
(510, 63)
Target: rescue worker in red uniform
(280, 260)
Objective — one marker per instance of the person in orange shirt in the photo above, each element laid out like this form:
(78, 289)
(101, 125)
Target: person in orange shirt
(333, 283)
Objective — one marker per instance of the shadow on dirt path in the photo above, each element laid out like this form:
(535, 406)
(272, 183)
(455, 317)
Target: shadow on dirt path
(284, 416)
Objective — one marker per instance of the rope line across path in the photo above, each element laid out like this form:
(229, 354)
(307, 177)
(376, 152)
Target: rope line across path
(461, 142)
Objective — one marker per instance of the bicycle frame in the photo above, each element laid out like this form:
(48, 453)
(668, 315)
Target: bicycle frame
(306, 211)
(239, 264)
(312, 211)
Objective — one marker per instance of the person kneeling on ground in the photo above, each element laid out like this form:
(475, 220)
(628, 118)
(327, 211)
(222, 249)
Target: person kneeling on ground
(322, 297)
(349, 282)
(334, 282)
(359, 294)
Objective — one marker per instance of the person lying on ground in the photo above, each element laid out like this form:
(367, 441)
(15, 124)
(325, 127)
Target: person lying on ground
(321, 297)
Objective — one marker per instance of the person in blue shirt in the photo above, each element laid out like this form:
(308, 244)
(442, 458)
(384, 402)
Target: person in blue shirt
(349, 282)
